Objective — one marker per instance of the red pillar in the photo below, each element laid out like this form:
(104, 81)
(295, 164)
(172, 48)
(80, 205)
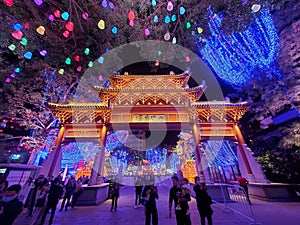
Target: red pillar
(57, 147)
(242, 142)
(197, 153)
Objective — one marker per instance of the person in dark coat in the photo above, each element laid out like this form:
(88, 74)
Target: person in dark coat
(150, 193)
(12, 206)
(55, 193)
(203, 202)
(138, 192)
(70, 187)
(115, 194)
(243, 182)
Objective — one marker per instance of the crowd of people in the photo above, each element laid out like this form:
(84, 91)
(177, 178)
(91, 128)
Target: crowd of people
(37, 197)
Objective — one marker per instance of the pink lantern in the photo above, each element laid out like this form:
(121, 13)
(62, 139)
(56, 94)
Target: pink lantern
(17, 34)
(131, 23)
(51, 17)
(79, 68)
(69, 26)
(131, 15)
(66, 34)
(85, 15)
(9, 3)
(147, 32)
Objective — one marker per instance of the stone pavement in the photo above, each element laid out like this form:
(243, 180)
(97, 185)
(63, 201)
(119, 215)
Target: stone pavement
(267, 213)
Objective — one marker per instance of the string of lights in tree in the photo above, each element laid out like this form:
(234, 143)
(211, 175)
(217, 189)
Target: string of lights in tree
(234, 57)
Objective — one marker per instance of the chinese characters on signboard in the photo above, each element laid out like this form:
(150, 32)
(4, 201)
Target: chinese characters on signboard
(148, 118)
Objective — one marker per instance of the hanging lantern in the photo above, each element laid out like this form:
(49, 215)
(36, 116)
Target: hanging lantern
(26, 25)
(77, 58)
(87, 51)
(69, 26)
(167, 36)
(255, 7)
(200, 30)
(9, 3)
(61, 71)
(18, 26)
(188, 25)
(131, 23)
(23, 41)
(104, 3)
(173, 18)
(155, 19)
(153, 3)
(41, 30)
(79, 68)
(85, 15)
(147, 32)
(174, 40)
(12, 47)
(167, 19)
(68, 61)
(57, 13)
(170, 6)
(17, 34)
(66, 34)
(156, 63)
(38, 2)
(101, 24)
(28, 55)
(181, 10)
(131, 15)
(100, 60)
(114, 30)
(51, 17)
(65, 16)
(43, 52)
(90, 64)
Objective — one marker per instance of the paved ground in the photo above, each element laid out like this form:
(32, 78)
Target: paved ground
(267, 213)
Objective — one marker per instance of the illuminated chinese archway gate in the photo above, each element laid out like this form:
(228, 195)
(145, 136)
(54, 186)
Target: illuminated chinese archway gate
(149, 102)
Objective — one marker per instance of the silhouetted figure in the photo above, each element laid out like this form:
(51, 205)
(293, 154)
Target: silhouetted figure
(203, 202)
(115, 194)
(12, 206)
(70, 187)
(244, 184)
(138, 192)
(150, 193)
(55, 193)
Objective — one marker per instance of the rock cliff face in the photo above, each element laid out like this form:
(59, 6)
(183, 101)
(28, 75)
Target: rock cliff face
(287, 22)
(277, 146)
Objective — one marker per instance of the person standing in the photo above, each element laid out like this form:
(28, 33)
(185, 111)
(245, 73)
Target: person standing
(115, 194)
(203, 202)
(77, 192)
(12, 206)
(182, 217)
(70, 187)
(243, 182)
(138, 192)
(150, 192)
(55, 193)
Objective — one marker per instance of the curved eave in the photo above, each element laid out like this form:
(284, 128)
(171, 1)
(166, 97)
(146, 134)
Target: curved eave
(196, 92)
(77, 105)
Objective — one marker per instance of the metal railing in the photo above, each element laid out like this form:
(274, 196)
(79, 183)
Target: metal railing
(234, 199)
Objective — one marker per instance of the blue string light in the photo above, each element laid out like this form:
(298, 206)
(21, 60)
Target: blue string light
(234, 57)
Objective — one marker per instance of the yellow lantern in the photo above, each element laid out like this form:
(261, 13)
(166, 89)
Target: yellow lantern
(101, 24)
(41, 30)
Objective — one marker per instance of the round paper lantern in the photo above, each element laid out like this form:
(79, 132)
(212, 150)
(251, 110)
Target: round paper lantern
(255, 7)
(69, 26)
(114, 30)
(12, 47)
(100, 60)
(61, 71)
(147, 32)
(28, 55)
(51, 17)
(17, 34)
(101, 24)
(77, 58)
(131, 15)
(57, 13)
(131, 23)
(66, 34)
(18, 26)
(170, 6)
(65, 16)
(85, 15)
(41, 30)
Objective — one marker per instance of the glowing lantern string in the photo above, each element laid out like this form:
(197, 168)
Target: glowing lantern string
(170, 6)
(17, 34)
(40, 30)
(101, 24)
(65, 16)
(69, 26)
